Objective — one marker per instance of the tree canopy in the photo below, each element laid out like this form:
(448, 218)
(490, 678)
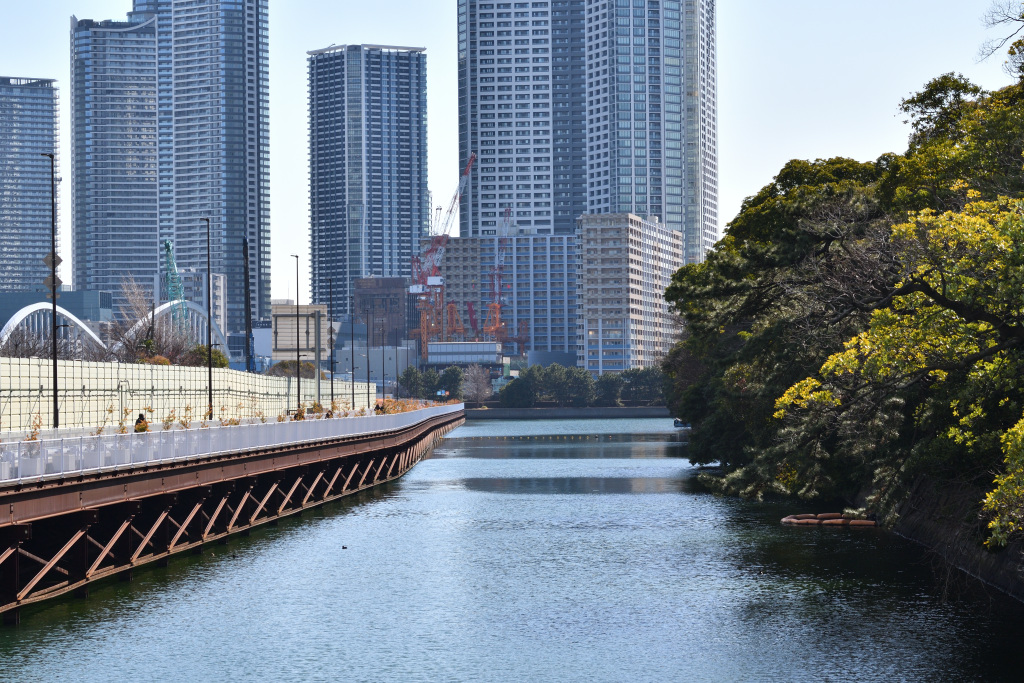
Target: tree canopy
(861, 323)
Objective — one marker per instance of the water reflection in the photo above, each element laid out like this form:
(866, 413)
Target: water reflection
(574, 485)
(529, 451)
(489, 562)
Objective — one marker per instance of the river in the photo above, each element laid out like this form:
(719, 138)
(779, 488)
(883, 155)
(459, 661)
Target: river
(547, 551)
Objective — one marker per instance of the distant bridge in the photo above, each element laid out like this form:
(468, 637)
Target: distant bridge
(75, 511)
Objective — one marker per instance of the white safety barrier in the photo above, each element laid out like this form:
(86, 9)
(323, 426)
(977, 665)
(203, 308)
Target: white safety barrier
(31, 461)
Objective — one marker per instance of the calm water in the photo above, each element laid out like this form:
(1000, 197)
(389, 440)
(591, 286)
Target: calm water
(557, 551)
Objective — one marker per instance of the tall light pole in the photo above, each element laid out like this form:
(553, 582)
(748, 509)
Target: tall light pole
(209, 324)
(330, 321)
(369, 314)
(352, 347)
(298, 360)
(53, 282)
(383, 349)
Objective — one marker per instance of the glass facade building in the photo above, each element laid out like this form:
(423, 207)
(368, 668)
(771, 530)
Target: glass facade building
(590, 106)
(207, 77)
(369, 203)
(114, 155)
(28, 128)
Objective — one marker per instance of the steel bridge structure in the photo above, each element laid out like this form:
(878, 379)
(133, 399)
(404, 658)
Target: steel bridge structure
(79, 512)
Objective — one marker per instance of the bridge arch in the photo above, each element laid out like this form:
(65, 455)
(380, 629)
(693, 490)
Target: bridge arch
(41, 306)
(165, 308)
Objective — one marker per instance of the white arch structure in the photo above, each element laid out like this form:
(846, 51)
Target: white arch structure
(165, 308)
(24, 313)
(31, 309)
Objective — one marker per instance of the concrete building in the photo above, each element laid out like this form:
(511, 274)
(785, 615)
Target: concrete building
(589, 106)
(194, 285)
(538, 289)
(369, 204)
(626, 263)
(28, 128)
(171, 127)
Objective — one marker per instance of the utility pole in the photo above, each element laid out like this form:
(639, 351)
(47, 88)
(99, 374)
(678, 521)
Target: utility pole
(298, 358)
(209, 323)
(330, 321)
(53, 261)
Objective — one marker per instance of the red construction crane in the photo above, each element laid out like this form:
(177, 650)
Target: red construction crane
(427, 282)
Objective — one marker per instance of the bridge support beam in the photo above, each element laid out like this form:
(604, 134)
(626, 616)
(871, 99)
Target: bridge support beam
(81, 530)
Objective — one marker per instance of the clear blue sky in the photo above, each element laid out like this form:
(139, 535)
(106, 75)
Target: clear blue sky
(796, 79)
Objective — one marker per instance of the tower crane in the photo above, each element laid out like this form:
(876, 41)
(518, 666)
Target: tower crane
(427, 283)
(175, 289)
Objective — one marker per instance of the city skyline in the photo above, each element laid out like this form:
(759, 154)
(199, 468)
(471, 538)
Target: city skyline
(170, 145)
(790, 85)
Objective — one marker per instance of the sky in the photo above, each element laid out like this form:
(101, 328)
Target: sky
(803, 79)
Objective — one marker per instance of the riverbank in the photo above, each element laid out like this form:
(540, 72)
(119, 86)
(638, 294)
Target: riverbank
(944, 518)
(566, 413)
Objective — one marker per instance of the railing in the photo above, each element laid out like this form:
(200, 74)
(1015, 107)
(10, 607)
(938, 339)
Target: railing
(31, 461)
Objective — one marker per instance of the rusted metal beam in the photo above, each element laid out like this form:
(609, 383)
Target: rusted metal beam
(216, 513)
(376, 475)
(355, 468)
(394, 461)
(184, 525)
(263, 502)
(365, 472)
(49, 565)
(109, 546)
(309, 492)
(241, 504)
(288, 496)
(149, 535)
(330, 484)
(39, 560)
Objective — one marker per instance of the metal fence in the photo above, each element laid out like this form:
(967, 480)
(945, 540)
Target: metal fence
(32, 461)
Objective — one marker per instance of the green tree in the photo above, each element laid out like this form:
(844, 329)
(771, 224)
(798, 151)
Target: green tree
(555, 385)
(429, 383)
(607, 388)
(580, 385)
(451, 381)
(411, 382)
(519, 393)
(645, 386)
(200, 356)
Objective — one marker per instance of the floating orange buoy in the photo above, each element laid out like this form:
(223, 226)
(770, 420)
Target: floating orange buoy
(830, 515)
(835, 522)
(862, 522)
(804, 516)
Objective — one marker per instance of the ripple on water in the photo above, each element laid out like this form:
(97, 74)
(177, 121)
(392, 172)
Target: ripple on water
(532, 560)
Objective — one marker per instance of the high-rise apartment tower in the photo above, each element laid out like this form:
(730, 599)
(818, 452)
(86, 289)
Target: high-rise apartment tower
(369, 204)
(28, 129)
(590, 106)
(199, 81)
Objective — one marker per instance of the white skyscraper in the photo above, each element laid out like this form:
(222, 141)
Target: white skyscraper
(590, 106)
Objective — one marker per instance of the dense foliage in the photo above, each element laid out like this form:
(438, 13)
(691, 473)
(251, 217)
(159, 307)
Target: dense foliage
(427, 384)
(576, 387)
(863, 323)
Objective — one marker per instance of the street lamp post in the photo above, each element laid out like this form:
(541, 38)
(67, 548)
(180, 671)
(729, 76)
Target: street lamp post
(53, 283)
(330, 321)
(298, 361)
(369, 313)
(209, 324)
(383, 349)
(352, 348)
